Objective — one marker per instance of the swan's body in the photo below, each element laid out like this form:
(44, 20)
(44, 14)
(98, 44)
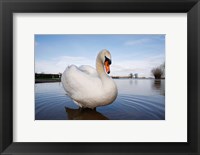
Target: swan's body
(89, 87)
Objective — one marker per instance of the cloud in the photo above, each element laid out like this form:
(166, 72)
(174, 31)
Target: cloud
(136, 42)
(58, 64)
(142, 67)
(119, 67)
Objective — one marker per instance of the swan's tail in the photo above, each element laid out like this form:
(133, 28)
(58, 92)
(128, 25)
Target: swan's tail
(77, 103)
(63, 80)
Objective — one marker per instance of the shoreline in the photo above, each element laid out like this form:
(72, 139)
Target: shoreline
(59, 80)
(47, 80)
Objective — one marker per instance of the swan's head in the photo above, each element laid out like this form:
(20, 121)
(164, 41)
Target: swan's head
(105, 58)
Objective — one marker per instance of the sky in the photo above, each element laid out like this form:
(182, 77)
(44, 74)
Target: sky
(130, 53)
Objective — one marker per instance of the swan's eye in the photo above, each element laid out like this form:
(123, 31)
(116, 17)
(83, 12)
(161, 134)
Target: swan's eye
(107, 59)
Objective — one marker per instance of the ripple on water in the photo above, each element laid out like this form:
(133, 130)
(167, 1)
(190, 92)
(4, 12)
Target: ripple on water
(131, 107)
(136, 100)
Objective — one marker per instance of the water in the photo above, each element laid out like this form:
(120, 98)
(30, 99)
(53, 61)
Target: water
(138, 99)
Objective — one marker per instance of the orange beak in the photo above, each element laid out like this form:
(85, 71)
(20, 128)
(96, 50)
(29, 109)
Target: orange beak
(107, 66)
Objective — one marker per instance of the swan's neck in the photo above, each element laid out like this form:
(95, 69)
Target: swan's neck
(108, 85)
(100, 68)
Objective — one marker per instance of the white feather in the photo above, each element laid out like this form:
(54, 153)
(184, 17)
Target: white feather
(89, 87)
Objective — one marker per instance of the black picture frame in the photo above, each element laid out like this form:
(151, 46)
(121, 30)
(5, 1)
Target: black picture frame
(8, 7)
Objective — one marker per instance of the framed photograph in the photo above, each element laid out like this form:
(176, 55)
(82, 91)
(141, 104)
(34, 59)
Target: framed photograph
(136, 77)
(80, 76)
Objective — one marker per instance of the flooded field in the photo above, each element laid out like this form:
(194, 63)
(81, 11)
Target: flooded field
(138, 99)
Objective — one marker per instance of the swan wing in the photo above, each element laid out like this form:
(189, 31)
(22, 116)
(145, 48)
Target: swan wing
(88, 70)
(81, 85)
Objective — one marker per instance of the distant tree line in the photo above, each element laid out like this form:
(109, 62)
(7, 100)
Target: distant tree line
(46, 76)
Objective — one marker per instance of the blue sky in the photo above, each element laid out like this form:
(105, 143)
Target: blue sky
(130, 53)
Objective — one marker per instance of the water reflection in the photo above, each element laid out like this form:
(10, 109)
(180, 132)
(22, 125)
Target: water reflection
(138, 99)
(84, 114)
(157, 86)
(136, 81)
(130, 81)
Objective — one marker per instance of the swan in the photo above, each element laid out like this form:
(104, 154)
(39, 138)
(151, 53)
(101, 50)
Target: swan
(89, 87)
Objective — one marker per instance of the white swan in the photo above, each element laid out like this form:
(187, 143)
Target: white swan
(89, 87)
